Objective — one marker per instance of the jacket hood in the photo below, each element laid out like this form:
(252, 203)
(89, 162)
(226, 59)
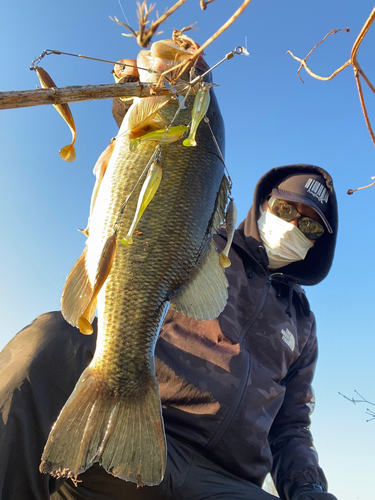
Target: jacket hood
(318, 261)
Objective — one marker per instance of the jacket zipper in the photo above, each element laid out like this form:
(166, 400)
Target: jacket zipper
(240, 392)
(258, 310)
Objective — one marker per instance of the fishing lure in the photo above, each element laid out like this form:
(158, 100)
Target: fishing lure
(148, 191)
(230, 222)
(68, 152)
(164, 135)
(200, 107)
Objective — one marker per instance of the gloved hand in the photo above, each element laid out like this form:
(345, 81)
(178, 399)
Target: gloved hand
(312, 492)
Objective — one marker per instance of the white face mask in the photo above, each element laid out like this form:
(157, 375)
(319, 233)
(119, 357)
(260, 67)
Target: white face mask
(283, 241)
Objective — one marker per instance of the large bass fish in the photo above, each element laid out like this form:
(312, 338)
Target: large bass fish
(133, 267)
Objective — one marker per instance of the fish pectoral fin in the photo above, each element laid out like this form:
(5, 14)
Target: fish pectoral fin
(78, 291)
(123, 432)
(205, 295)
(145, 112)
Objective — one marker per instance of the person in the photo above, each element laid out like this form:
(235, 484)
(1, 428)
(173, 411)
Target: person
(236, 391)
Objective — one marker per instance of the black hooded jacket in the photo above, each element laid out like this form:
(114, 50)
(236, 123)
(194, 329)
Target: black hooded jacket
(239, 387)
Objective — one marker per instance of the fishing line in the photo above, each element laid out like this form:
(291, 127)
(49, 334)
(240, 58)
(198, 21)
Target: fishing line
(48, 52)
(206, 120)
(126, 19)
(155, 156)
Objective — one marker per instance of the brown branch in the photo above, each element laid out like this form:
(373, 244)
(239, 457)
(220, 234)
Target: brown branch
(351, 191)
(362, 35)
(38, 97)
(204, 3)
(184, 65)
(363, 105)
(144, 34)
(356, 67)
(304, 63)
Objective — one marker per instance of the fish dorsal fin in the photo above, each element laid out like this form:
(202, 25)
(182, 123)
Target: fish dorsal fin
(205, 295)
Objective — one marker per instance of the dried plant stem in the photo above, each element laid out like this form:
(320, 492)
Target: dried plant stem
(308, 70)
(362, 400)
(351, 191)
(27, 98)
(225, 26)
(363, 105)
(144, 34)
(358, 72)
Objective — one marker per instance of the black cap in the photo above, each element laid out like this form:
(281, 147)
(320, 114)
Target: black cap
(309, 189)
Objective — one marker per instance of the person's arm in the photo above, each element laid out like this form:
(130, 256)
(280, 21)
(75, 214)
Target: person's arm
(295, 459)
(38, 370)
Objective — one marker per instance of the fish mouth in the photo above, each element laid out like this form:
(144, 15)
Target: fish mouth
(164, 55)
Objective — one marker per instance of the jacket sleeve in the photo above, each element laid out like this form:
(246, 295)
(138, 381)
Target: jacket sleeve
(38, 370)
(295, 461)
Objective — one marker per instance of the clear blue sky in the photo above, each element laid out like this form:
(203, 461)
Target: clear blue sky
(271, 119)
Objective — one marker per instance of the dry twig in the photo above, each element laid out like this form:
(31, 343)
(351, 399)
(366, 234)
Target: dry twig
(184, 65)
(362, 400)
(358, 71)
(204, 3)
(145, 34)
(351, 191)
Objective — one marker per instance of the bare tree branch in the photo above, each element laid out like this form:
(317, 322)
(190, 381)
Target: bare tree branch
(185, 64)
(362, 400)
(204, 3)
(351, 62)
(351, 191)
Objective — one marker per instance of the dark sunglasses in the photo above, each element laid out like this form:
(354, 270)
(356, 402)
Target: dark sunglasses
(309, 227)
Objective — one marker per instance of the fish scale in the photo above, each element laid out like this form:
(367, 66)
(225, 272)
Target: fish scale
(114, 414)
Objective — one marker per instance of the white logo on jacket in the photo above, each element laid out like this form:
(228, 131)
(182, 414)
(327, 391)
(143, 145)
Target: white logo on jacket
(289, 339)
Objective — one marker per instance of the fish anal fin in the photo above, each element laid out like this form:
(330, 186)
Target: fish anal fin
(205, 295)
(124, 433)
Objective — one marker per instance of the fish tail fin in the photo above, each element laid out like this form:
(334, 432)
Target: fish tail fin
(68, 153)
(124, 433)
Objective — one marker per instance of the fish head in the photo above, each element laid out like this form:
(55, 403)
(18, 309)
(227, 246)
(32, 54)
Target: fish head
(165, 55)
